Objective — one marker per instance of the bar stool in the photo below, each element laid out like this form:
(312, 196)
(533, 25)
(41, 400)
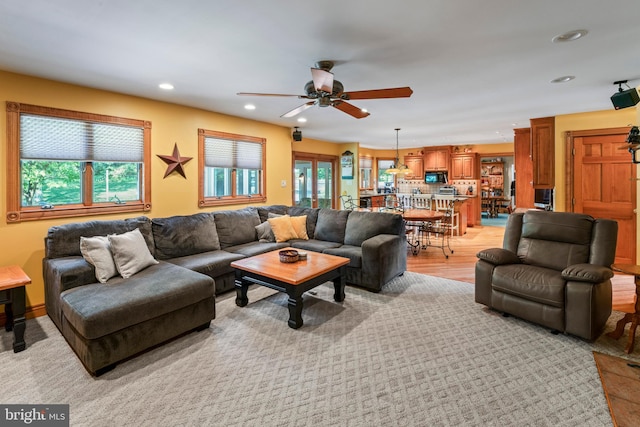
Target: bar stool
(451, 219)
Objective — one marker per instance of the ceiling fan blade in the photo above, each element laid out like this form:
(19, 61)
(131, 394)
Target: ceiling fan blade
(397, 92)
(299, 109)
(322, 80)
(350, 109)
(268, 94)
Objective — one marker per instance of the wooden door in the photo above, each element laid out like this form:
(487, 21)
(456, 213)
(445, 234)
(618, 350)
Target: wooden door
(603, 183)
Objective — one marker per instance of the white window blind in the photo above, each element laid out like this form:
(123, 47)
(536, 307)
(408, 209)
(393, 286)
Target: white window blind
(225, 153)
(366, 162)
(50, 138)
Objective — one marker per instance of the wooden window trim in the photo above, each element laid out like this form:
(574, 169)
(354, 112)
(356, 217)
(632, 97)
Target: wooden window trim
(233, 199)
(16, 213)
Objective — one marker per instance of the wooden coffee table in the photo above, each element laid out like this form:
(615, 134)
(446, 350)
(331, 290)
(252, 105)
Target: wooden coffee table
(292, 278)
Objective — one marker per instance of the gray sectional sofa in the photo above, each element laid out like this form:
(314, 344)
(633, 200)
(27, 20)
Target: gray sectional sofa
(108, 322)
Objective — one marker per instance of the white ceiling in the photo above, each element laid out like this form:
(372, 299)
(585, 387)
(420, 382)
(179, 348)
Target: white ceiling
(477, 68)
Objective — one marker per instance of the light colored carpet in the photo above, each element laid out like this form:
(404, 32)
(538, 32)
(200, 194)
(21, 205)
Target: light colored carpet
(420, 353)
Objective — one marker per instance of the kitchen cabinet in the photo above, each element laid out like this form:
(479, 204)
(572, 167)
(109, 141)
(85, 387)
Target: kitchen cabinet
(416, 164)
(473, 211)
(524, 194)
(436, 158)
(463, 166)
(543, 152)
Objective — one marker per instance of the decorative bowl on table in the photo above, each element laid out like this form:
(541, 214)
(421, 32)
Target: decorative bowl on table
(288, 256)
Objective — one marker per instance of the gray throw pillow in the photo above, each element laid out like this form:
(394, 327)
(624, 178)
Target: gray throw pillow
(265, 233)
(97, 252)
(130, 253)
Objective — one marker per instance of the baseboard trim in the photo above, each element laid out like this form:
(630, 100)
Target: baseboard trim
(30, 313)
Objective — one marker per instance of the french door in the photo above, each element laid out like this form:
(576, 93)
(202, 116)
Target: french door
(314, 183)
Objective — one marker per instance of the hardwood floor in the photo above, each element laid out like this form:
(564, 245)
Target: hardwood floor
(461, 264)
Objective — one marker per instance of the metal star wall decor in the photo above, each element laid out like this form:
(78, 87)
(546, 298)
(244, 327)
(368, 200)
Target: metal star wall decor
(175, 162)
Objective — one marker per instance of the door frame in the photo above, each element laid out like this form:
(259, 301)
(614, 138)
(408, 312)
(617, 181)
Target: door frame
(314, 158)
(569, 170)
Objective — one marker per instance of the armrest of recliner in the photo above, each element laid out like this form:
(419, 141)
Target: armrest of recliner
(498, 256)
(587, 273)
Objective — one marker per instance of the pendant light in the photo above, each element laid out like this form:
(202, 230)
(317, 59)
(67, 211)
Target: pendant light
(397, 167)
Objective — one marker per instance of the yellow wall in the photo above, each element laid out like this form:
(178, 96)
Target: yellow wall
(22, 243)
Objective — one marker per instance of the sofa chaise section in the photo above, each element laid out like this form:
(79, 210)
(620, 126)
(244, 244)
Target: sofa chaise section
(105, 323)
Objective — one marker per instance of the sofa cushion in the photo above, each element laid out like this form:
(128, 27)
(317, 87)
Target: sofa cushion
(100, 309)
(213, 264)
(264, 211)
(64, 240)
(331, 225)
(354, 253)
(256, 248)
(97, 252)
(364, 225)
(313, 245)
(130, 253)
(178, 236)
(543, 285)
(236, 227)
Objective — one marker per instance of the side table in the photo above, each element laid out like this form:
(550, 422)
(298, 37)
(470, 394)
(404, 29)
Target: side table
(628, 317)
(12, 294)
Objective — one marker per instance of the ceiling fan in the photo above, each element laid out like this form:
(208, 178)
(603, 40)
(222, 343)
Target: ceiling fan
(324, 91)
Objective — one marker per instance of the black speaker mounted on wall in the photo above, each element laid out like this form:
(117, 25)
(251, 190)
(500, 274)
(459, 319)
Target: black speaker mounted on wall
(624, 98)
(297, 134)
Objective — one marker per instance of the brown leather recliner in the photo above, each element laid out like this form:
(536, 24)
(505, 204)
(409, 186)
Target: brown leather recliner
(553, 270)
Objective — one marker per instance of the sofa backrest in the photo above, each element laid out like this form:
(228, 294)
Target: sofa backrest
(331, 225)
(364, 225)
(179, 236)
(264, 211)
(555, 239)
(64, 240)
(236, 227)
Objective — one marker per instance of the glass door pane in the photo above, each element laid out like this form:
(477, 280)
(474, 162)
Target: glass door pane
(303, 184)
(325, 184)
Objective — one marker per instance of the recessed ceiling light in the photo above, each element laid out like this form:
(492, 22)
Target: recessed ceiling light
(563, 79)
(249, 107)
(569, 36)
(302, 120)
(165, 86)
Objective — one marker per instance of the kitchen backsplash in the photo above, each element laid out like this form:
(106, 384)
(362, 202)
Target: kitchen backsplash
(408, 186)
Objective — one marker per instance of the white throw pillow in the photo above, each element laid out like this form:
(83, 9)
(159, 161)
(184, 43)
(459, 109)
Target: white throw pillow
(130, 253)
(97, 252)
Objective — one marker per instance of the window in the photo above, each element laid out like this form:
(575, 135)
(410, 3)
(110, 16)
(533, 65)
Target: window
(231, 168)
(65, 163)
(385, 180)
